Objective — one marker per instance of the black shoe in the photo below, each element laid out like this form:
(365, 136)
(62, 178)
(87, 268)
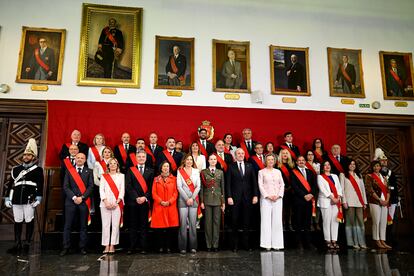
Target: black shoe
(130, 252)
(215, 249)
(64, 252)
(15, 249)
(161, 250)
(168, 251)
(83, 251)
(143, 252)
(208, 249)
(235, 249)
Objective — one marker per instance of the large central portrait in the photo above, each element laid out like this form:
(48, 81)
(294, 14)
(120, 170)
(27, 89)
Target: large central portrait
(110, 46)
(231, 66)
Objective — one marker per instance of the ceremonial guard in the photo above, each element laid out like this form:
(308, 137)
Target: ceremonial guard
(25, 195)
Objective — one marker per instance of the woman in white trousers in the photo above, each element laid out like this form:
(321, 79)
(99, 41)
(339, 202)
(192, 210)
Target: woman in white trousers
(111, 205)
(328, 204)
(271, 188)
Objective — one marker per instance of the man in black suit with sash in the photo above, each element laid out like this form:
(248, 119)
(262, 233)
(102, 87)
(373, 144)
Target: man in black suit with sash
(208, 146)
(247, 144)
(122, 151)
(346, 75)
(242, 193)
(175, 68)
(75, 140)
(169, 154)
(288, 144)
(305, 191)
(138, 185)
(78, 186)
(226, 157)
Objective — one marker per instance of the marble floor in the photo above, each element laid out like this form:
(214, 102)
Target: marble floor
(288, 262)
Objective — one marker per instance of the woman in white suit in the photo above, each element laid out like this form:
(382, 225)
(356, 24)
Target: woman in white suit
(188, 185)
(329, 202)
(112, 191)
(199, 159)
(271, 188)
(95, 152)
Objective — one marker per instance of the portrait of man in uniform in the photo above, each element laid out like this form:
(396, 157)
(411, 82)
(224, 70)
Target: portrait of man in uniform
(289, 70)
(174, 63)
(397, 75)
(345, 73)
(41, 56)
(110, 47)
(231, 66)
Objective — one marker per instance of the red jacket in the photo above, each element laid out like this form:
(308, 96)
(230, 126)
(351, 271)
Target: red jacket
(164, 217)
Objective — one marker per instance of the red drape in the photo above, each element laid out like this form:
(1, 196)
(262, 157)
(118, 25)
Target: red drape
(112, 119)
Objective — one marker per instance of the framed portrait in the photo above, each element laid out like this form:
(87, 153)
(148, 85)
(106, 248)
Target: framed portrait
(41, 56)
(289, 69)
(110, 46)
(397, 75)
(231, 66)
(174, 63)
(345, 73)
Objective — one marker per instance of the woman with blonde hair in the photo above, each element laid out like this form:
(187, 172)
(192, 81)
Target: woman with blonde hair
(96, 150)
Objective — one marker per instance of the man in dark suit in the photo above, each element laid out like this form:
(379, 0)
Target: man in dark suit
(122, 151)
(338, 161)
(346, 75)
(247, 144)
(153, 146)
(208, 146)
(242, 193)
(77, 195)
(167, 154)
(75, 140)
(295, 75)
(42, 65)
(305, 191)
(175, 68)
(257, 159)
(395, 80)
(226, 157)
(138, 191)
(288, 144)
(140, 146)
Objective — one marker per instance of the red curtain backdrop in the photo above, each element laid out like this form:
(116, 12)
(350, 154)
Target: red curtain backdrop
(139, 120)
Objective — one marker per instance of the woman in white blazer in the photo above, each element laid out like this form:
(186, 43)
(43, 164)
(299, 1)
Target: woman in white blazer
(354, 201)
(199, 159)
(188, 203)
(328, 204)
(111, 206)
(98, 147)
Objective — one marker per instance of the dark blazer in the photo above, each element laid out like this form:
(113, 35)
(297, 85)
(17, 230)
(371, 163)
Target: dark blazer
(71, 188)
(157, 151)
(133, 188)
(256, 167)
(177, 156)
(296, 76)
(299, 190)
(228, 159)
(350, 70)
(124, 165)
(251, 151)
(210, 148)
(343, 160)
(83, 148)
(241, 188)
(181, 64)
(294, 148)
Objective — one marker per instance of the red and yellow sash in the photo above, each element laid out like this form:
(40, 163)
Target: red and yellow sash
(123, 153)
(96, 154)
(358, 192)
(340, 216)
(202, 149)
(115, 191)
(396, 78)
(336, 163)
(310, 167)
(175, 69)
(258, 162)
(144, 187)
(308, 188)
(110, 36)
(191, 186)
(149, 152)
(246, 151)
(170, 159)
(345, 74)
(40, 61)
(222, 162)
(81, 186)
(384, 190)
(290, 151)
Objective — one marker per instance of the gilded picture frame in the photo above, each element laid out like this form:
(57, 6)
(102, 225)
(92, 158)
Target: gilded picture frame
(346, 77)
(174, 63)
(41, 56)
(289, 71)
(397, 75)
(110, 46)
(231, 74)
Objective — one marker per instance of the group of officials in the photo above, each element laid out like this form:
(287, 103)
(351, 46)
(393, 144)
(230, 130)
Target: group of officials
(165, 189)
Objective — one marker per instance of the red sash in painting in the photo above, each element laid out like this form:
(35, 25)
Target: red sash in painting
(345, 74)
(123, 153)
(81, 186)
(308, 188)
(222, 162)
(396, 78)
(258, 162)
(290, 151)
(191, 186)
(110, 36)
(340, 216)
(115, 191)
(336, 163)
(175, 70)
(170, 159)
(384, 190)
(40, 61)
(144, 187)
